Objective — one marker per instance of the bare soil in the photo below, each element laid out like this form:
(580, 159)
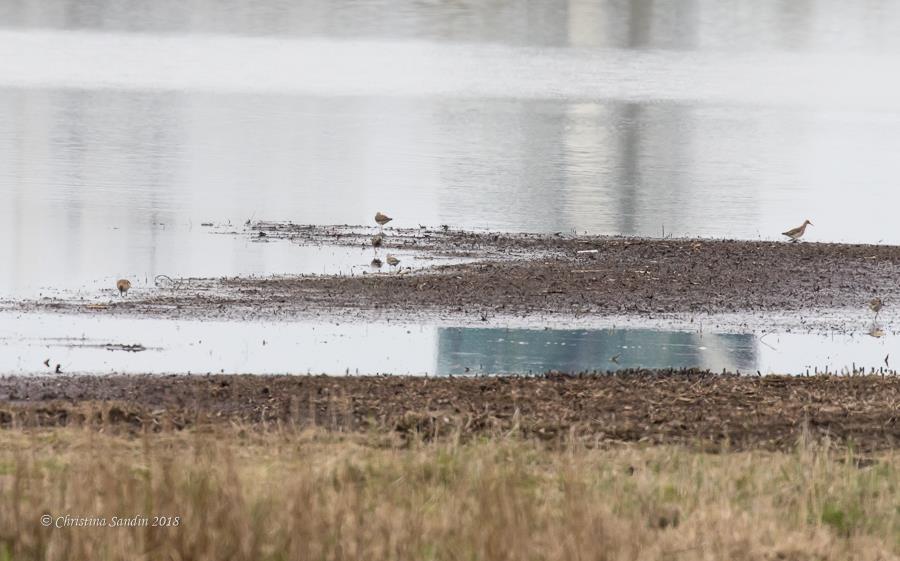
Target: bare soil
(530, 275)
(685, 407)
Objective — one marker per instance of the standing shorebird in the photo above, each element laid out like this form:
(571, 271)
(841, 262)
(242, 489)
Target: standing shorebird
(376, 263)
(377, 240)
(382, 219)
(797, 233)
(392, 261)
(123, 285)
(876, 304)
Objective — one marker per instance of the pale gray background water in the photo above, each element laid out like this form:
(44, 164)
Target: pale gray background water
(124, 124)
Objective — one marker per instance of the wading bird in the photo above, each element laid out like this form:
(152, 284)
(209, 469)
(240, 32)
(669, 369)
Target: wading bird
(377, 240)
(392, 261)
(382, 218)
(123, 285)
(876, 304)
(797, 233)
(376, 263)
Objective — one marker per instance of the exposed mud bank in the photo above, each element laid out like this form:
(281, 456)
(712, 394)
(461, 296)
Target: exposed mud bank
(534, 276)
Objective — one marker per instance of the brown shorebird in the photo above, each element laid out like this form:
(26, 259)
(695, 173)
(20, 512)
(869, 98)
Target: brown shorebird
(876, 304)
(123, 285)
(797, 233)
(392, 261)
(382, 218)
(376, 263)
(377, 240)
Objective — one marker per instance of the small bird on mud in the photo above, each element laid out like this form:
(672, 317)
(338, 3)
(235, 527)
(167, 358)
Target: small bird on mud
(377, 240)
(797, 233)
(376, 263)
(382, 218)
(876, 304)
(392, 261)
(123, 285)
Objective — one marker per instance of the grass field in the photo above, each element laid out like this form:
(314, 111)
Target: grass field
(255, 495)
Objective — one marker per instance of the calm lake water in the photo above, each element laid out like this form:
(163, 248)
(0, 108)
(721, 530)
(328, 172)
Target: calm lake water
(124, 125)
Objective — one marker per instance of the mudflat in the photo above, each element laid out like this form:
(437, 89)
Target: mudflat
(529, 275)
(685, 407)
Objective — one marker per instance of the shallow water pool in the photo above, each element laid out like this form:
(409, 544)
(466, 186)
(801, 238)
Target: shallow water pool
(85, 344)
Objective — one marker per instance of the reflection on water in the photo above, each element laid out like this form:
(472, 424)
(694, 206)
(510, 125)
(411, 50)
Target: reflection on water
(111, 183)
(530, 351)
(84, 344)
(123, 125)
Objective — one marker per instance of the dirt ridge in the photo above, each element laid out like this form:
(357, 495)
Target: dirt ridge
(671, 406)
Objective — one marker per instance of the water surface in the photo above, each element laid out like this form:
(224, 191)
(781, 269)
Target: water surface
(124, 125)
(84, 344)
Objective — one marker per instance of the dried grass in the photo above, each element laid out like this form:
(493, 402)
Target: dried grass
(269, 495)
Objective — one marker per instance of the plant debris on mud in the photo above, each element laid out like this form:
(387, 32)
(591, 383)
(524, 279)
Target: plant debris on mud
(536, 276)
(649, 406)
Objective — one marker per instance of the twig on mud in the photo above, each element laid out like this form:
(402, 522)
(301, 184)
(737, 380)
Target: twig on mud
(176, 284)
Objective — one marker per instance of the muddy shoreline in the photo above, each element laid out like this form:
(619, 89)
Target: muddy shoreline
(531, 276)
(684, 407)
